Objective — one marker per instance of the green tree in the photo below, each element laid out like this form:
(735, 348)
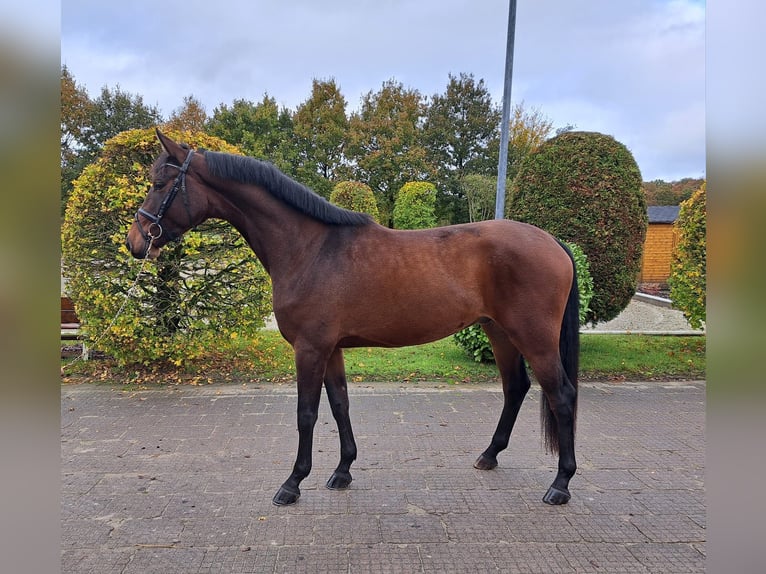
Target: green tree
(260, 130)
(415, 206)
(459, 128)
(86, 124)
(356, 196)
(480, 192)
(660, 192)
(116, 111)
(384, 142)
(320, 126)
(585, 187)
(199, 290)
(688, 272)
(75, 113)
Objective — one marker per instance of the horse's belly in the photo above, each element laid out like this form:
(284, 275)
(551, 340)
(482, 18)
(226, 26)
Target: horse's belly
(405, 330)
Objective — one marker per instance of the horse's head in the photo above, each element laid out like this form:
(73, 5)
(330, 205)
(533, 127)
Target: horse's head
(173, 205)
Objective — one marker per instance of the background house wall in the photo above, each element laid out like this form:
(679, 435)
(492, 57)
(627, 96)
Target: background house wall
(661, 239)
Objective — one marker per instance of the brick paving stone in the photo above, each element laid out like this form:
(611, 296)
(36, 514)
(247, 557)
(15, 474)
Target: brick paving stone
(596, 558)
(180, 479)
(477, 528)
(96, 559)
(542, 528)
(312, 560)
(384, 559)
(412, 529)
(458, 558)
(179, 560)
(530, 558)
(669, 528)
(677, 558)
(239, 560)
(347, 529)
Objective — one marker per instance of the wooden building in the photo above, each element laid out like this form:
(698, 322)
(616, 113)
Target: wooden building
(661, 239)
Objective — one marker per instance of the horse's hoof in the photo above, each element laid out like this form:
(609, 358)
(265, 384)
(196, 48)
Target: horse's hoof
(339, 481)
(556, 496)
(285, 496)
(485, 463)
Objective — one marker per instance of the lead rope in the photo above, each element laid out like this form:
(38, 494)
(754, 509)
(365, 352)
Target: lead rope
(83, 356)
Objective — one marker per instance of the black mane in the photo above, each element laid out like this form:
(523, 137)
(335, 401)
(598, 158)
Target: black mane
(249, 170)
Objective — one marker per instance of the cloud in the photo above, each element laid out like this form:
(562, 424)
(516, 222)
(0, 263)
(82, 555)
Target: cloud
(625, 68)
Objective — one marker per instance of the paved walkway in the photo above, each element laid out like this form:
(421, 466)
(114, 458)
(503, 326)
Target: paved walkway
(649, 315)
(180, 480)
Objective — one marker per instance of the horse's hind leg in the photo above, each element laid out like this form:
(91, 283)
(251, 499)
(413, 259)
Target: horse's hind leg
(516, 383)
(559, 411)
(337, 394)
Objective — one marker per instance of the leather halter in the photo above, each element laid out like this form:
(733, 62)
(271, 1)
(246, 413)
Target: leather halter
(179, 183)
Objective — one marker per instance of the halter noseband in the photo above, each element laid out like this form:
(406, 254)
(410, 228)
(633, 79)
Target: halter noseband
(179, 183)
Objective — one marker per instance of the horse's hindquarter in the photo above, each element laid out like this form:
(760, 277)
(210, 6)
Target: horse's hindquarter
(397, 288)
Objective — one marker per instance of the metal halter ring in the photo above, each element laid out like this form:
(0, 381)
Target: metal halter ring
(152, 237)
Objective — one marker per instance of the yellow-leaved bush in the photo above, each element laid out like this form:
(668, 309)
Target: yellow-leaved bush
(192, 299)
(688, 271)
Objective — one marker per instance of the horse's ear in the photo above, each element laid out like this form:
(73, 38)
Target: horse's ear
(174, 149)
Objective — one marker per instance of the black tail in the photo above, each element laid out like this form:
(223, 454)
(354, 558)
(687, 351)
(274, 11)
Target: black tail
(569, 351)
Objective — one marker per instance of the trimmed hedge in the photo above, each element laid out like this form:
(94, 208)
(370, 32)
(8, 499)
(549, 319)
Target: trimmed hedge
(356, 196)
(585, 187)
(688, 271)
(207, 287)
(415, 206)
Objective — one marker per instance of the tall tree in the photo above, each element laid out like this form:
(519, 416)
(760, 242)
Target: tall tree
(189, 117)
(458, 131)
(260, 130)
(320, 126)
(384, 142)
(75, 112)
(116, 111)
(460, 125)
(528, 129)
(87, 124)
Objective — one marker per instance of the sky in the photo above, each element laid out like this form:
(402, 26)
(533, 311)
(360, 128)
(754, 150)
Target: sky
(633, 69)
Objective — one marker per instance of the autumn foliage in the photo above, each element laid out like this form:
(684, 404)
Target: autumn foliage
(207, 287)
(688, 272)
(355, 196)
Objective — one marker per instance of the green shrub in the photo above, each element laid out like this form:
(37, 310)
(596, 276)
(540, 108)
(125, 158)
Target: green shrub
(688, 271)
(356, 196)
(473, 340)
(207, 287)
(415, 206)
(585, 187)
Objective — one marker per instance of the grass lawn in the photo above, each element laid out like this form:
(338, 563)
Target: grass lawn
(268, 358)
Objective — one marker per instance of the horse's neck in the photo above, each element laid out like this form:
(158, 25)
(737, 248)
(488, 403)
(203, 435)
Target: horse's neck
(280, 236)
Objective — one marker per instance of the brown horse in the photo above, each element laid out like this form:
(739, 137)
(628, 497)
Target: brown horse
(340, 280)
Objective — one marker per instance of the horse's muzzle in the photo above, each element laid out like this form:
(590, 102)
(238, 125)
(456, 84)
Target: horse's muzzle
(139, 246)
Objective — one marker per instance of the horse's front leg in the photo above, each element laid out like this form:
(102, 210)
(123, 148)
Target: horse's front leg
(337, 394)
(310, 367)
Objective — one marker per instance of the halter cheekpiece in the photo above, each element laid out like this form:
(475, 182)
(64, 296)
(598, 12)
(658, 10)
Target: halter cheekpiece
(179, 183)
